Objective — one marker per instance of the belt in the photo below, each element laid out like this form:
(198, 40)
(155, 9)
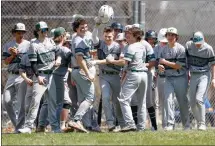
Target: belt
(162, 76)
(14, 72)
(110, 72)
(133, 70)
(76, 67)
(46, 71)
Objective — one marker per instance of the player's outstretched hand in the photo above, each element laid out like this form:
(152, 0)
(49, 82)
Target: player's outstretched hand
(97, 21)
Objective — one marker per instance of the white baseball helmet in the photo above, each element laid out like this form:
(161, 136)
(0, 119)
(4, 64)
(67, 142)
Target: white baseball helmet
(106, 14)
(128, 27)
(198, 38)
(161, 35)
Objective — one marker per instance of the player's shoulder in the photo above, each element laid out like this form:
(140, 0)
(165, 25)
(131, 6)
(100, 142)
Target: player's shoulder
(9, 44)
(180, 46)
(77, 39)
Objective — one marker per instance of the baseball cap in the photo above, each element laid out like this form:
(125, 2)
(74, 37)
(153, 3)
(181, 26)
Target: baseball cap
(161, 35)
(128, 27)
(19, 27)
(40, 25)
(120, 37)
(76, 16)
(59, 31)
(138, 26)
(172, 30)
(198, 38)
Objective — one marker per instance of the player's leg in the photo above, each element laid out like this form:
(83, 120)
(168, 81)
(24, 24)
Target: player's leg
(200, 96)
(160, 82)
(106, 102)
(128, 89)
(66, 107)
(169, 105)
(9, 94)
(149, 102)
(141, 97)
(86, 96)
(38, 91)
(21, 92)
(115, 86)
(180, 87)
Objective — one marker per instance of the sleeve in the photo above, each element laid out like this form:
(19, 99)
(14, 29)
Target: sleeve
(150, 56)
(95, 37)
(211, 56)
(22, 65)
(5, 52)
(181, 56)
(32, 53)
(129, 55)
(79, 46)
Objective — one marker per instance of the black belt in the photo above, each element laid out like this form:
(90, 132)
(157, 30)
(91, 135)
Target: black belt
(46, 72)
(110, 72)
(75, 67)
(162, 76)
(14, 72)
(137, 70)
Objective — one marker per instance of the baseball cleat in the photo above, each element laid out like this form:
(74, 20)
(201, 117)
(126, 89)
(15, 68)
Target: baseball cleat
(78, 126)
(25, 130)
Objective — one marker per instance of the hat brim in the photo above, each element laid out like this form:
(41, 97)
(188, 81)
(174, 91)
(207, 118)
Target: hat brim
(199, 42)
(163, 40)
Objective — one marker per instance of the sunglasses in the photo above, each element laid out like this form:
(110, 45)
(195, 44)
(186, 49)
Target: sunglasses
(44, 30)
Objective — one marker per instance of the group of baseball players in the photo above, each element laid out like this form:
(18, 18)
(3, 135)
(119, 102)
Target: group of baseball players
(140, 74)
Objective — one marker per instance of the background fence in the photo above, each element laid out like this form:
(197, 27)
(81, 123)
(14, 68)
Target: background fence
(187, 17)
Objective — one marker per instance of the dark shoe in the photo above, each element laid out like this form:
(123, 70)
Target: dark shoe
(40, 129)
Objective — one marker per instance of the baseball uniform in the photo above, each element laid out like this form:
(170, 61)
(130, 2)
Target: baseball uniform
(176, 82)
(199, 63)
(85, 88)
(15, 86)
(160, 85)
(44, 54)
(110, 82)
(135, 83)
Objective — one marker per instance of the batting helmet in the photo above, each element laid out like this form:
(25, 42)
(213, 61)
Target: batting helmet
(117, 25)
(151, 34)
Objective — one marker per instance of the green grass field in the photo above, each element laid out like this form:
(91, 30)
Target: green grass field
(193, 137)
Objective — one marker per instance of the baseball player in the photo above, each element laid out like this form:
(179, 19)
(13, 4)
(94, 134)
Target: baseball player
(42, 54)
(109, 68)
(200, 59)
(118, 28)
(134, 80)
(172, 64)
(151, 38)
(84, 74)
(160, 79)
(15, 86)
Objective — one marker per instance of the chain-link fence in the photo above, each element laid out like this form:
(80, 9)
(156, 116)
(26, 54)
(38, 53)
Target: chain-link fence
(187, 17)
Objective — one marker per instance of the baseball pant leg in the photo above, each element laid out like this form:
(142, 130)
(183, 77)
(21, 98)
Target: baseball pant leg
(180, 87)
(169, 105)
(21, 92)
(106, 101)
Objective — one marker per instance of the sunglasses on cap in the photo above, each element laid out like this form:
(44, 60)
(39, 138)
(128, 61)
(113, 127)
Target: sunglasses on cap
(44, 30)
